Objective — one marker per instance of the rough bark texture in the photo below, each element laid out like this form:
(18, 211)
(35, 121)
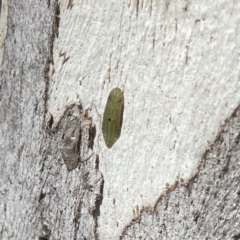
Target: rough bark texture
(40, 198)
(50, 185)
(207, 207)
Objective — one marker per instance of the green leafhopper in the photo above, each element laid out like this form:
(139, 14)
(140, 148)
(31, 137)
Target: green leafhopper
(113, 116)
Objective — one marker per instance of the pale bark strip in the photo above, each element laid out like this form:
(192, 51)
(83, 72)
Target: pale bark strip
(39, 197)
(207, 207)
(178, 64)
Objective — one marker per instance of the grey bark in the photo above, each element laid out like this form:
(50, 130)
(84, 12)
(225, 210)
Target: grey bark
(42, 198)
(207, 207)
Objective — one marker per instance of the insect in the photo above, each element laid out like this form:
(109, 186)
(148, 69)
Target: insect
(113, 116)
(71, 142)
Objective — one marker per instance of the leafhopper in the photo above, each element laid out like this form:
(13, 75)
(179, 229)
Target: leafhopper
(113, 117)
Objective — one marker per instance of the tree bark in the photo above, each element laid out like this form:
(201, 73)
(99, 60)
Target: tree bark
(206, 207)
(52, 156)
(41, 199)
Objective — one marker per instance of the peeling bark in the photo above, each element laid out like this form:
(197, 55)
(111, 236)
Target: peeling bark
(206, 207)
(50, 184)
